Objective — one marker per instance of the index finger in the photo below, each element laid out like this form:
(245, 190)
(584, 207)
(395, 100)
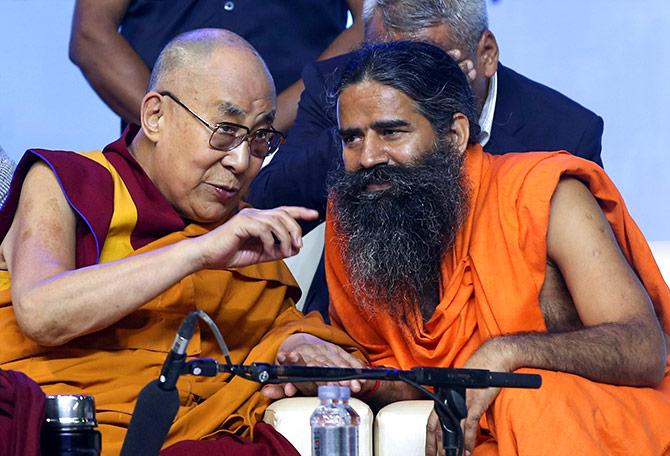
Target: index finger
(301, 213)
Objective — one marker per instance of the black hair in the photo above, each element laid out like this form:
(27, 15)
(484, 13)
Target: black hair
(423, 72)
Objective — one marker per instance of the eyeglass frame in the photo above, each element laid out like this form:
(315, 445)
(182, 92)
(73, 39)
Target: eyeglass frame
(249, 135)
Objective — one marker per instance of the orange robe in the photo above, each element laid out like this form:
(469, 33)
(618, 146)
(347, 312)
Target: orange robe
(253, 306)
(491, 282)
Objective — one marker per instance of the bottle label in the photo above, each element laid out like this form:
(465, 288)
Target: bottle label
(335, 441)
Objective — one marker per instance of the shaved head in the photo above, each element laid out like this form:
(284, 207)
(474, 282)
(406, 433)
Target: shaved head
(189, 50)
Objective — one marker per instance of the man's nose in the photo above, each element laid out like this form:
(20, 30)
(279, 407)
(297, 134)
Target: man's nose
(237, 159)
(373, 152)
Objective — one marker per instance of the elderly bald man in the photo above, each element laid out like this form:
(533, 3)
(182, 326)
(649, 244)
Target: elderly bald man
(134, 237)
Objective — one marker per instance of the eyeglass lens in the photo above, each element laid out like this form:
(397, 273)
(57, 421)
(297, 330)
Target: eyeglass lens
(262, 142)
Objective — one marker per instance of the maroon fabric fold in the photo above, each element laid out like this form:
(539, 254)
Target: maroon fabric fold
(267, 442)
(21, 414)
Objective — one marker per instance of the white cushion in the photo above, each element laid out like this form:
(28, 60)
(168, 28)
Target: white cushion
(400, 428)
(291, 418)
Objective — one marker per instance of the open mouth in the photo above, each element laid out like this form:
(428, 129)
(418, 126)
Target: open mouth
(378, 186)
(224, 192)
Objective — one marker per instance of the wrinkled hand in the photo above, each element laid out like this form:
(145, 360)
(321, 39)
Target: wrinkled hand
(308, 350)
(254, 236)
(466, 65)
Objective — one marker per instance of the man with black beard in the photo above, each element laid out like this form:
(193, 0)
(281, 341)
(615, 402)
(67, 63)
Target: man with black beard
(438, 254)
(515, 113)
(391, 256)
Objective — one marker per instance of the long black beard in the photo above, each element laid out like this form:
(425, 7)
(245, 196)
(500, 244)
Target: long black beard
(394, 239)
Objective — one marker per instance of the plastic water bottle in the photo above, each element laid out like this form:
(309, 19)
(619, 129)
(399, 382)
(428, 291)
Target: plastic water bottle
(354, 419)
(334, 424)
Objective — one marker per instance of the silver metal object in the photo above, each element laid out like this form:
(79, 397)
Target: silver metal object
(70, 411)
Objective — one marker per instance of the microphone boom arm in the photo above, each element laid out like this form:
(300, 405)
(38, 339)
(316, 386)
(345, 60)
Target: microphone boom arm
(427, 376)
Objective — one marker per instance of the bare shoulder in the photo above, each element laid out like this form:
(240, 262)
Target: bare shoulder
(581, 243)
(574, 196)
(575, 217)
(44, 224)
(41, 193)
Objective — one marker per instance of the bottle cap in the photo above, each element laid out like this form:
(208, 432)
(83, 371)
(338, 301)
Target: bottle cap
(70, 410)
(329, 392)
(345, 393)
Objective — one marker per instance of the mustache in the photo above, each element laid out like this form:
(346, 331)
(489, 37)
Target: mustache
(380, 174)
(402, 182)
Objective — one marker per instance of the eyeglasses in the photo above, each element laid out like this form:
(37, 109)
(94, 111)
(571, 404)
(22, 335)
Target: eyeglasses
(227, 135)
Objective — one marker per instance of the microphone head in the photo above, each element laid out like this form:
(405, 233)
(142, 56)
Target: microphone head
(513, 380)
(152, 417)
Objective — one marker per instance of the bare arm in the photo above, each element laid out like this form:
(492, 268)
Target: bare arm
(349, 39)
(622, 342)
(55, 303)
(114, 70)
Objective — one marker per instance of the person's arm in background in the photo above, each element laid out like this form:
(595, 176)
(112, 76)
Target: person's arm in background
(114, 70)
(119, 76)
(298, 170)
(348, 40)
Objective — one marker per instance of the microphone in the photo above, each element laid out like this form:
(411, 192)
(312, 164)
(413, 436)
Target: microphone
(176, 358)
(153, 415)
(158, 402)
(473, 378)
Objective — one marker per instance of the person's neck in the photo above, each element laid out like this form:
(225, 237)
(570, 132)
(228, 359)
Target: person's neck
(480, 98)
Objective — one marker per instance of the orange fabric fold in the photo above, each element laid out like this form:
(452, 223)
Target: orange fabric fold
(491, 281)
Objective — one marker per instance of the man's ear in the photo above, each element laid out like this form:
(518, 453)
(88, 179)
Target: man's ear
(459, 132)
(487, 54)
(151, 112)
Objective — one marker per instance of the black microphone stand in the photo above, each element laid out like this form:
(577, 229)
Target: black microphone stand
(449, 383)
(454, 401)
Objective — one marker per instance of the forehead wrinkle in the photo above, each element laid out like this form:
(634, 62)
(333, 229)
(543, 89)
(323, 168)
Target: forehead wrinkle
(229, 108)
